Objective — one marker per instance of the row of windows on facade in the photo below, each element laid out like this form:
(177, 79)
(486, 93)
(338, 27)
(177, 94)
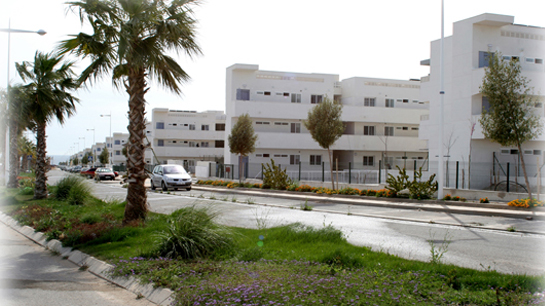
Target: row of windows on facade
(316, 160)
(484, 58)
(486, 104)
(116, 142)
(516, 152)
(192, 144)
(244, 95)
(191, 127)
(368, 130)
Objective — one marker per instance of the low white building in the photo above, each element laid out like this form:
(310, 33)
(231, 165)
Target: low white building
(185, 136)
(465, 59)
(116, 152)
(381, 116)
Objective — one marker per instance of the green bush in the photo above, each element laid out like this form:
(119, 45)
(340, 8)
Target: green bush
(274, 177)
(401, 182)
(62, 189)
(78, 194)
(26, 191)
(192, 233)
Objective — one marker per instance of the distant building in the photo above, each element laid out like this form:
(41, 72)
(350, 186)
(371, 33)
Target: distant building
(382, 119)
(465, 59)
(185, 136)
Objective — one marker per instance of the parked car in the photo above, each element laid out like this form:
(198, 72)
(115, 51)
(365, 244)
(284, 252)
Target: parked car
(89, 172)
(170, 176)
(75, 169)
(105, 174)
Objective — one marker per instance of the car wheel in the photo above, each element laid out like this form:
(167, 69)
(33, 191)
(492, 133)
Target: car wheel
(153, 186)
(165, 188)
(188, 189)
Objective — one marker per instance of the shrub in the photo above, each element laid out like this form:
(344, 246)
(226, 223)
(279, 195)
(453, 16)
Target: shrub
(484, 200)
(274, 177)
(192, 233)
(401, 182)
(525, 203)
(64, 185)
(349, 191)
(305, 188)
(456, 198)
(293, 186)
(448, 197)
(27, 182)
(422, 190)
(78, 194)
(26, 191)
(371, 193)
(385, 193)
(462, 199)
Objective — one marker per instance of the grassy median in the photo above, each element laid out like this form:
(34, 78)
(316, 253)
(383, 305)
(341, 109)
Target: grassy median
(206, 263)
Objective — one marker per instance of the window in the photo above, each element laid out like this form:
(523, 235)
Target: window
(98, 149)
(174, 141)
(192, 144)
(416, 101)
(537, 152)
(243, 94)
(368, 160)
(369, 130)
(296, 127)
(220, 144)
(191, 127)
(263, 122)
(504, 151)
(484, 58)
(160, 143)
(316, 159)
(485, 104)
(405, 100)
(286, 95)
(405, 128)
(529, 60)
(204, 127)
(220, 126)
(388, 131)
(267, 93)
(259, 155)
(538, 105)
(204, 144)
(117, 152)
(160, 125)
(528, 152)
(414, 128)
(117, 142)
(266, 155)
(295, 98)
(294, 159)
(369, 101)
(539, 61)
(316, 99)
(390, 103)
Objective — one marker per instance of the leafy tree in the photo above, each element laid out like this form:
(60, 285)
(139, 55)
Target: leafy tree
(326, 126)
(85, 158)
(75, 161)
(131, 40)
(242, 140)
(104, 156)
(510, 120)
(50, 83)
(16, 120)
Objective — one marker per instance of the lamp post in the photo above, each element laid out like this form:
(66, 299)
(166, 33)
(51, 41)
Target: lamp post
(440, 172)
(94, 153)
(9, 30)
(110, 150)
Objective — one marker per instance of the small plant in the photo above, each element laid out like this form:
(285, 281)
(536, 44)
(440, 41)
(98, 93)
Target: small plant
(83, 267)
(349, 213)
(448, 197)
(511, 229)
(212, 197)
(262, 219)
(225, 199)
(234, 199)
(250, 201)
(274, 177)
(456, 198)
(201, 196)
(462, 199)
(438, 251)
(484, 200)
(305, 206)
(62, 189)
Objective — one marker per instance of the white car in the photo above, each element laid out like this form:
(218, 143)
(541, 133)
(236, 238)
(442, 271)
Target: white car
(170, 177)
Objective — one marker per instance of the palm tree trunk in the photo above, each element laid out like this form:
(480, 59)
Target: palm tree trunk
(528, 187)
(13, 163)
(136, 207)
(40, 191)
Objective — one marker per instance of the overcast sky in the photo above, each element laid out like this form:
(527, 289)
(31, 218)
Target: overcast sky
(383, 39)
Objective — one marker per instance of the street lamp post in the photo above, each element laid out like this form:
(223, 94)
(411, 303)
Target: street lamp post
(94, 153)
(440, 170)
(9, 30)
(110, 150)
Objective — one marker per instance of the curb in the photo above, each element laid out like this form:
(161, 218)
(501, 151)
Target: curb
(434, 206)
(159, 296)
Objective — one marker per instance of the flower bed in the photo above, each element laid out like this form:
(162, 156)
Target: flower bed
(526, 203)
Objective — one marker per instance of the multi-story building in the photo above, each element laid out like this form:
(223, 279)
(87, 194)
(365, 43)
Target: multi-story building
(185, 136)
(96, 150)
(465, 59)
(381, 119)
(116, 152)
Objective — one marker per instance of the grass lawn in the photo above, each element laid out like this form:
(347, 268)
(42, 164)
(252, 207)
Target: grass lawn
(287, 265)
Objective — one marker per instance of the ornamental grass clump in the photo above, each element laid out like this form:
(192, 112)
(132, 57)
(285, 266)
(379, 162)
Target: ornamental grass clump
(63, 187)
(79, 194)
(192, 233)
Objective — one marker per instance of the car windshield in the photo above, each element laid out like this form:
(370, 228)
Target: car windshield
(104, 170)
(173, 170)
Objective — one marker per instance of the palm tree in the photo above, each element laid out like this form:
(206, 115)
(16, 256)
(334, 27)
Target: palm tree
(48, 98)
(17, 122)
(130, 40)
(25, 148)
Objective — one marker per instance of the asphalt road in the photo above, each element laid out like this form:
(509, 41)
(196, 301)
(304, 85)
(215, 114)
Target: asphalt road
(31, 275)
(478, 248)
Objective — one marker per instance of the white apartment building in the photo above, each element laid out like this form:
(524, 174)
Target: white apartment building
(381, 116)
(96, 150)
(185, 136)
(465, 56)
(117, 141)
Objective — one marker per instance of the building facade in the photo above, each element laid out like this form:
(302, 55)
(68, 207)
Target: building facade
(381, 119)
(465, 59)
(185, 136)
